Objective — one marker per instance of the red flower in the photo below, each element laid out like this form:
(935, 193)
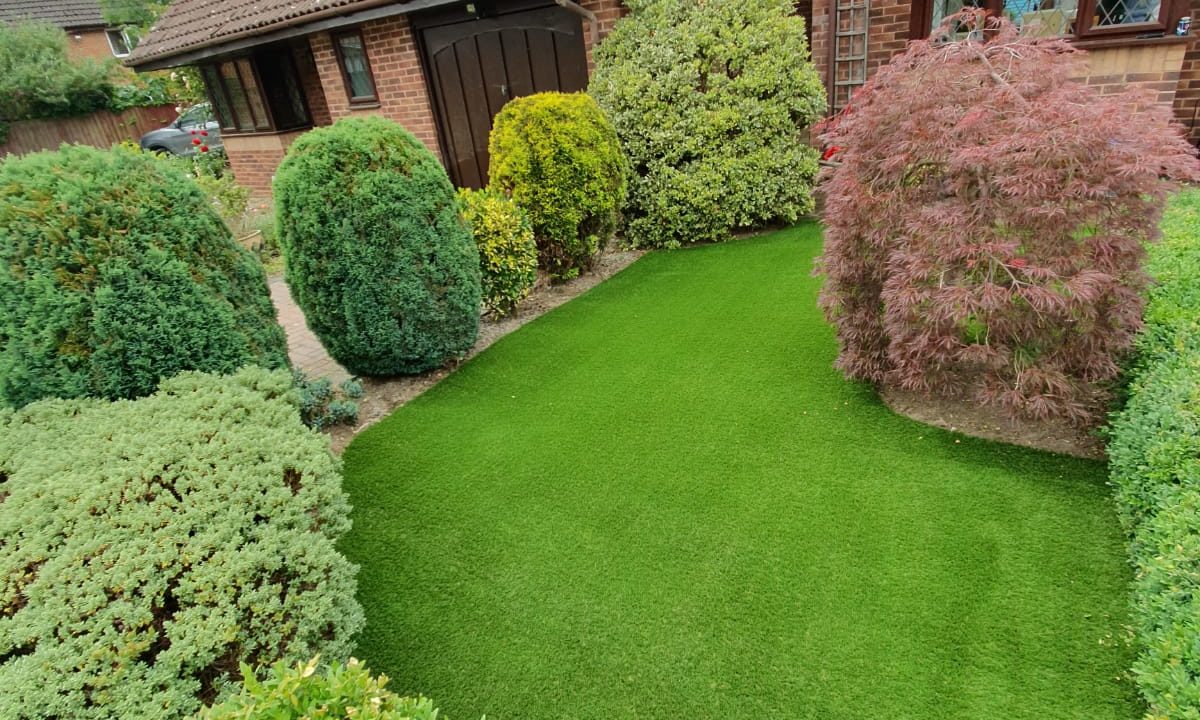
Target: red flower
(204, 133)
(195, 141)
(203, 148)
(192, 132)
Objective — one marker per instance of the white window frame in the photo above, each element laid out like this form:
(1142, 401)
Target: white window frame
(108, 35)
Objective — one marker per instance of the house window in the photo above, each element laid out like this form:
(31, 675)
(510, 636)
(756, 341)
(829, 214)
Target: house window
(356, 68)
(257, 93)
(1077, 19)
(118, 41)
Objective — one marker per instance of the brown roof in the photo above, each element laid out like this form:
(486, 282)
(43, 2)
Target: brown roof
(67, 14)
(193, 24)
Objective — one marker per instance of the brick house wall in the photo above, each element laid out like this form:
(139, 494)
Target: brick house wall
(400, 84)
(90, 43)
(254, 158)
(399, 80)
(1187, 94)
(1171, 70)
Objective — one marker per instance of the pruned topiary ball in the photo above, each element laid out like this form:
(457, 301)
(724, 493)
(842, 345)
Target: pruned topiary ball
(377, 256)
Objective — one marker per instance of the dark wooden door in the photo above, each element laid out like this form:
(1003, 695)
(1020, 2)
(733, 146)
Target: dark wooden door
(478, 65)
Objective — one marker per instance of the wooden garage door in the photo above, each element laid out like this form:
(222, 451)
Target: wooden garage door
(478, 65)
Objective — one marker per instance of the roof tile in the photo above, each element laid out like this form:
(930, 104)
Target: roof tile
(193, 24)
(67, 14)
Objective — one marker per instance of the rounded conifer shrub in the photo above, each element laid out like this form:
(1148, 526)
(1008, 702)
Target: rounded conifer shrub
(558, 157)
(115, 272)
(712, 102)
(376, 253)
(149, 547)
(986, 227)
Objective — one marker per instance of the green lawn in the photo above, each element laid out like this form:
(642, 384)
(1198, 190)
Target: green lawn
(661, 501)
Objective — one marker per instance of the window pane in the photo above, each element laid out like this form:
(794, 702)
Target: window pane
(943, 9)
(237, 97)
(261, 120)
(281, 86)
(354, 60)
(1043, 18)
(213, 80)
(119, 42)
(1126, 12)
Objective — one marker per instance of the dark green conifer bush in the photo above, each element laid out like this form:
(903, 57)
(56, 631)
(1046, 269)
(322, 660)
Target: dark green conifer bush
(377, 256)
(150, 546)
(115, 272)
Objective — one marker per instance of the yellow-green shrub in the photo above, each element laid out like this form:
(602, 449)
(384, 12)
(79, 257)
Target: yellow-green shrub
(508, 254)
(558, 157)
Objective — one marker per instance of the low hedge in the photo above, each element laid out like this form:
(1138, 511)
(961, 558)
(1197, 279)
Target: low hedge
(149, 547)
(1154, 454)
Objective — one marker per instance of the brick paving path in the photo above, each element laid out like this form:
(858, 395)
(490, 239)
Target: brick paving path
(303, 347)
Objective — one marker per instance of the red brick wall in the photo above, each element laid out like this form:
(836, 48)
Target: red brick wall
(88, 44)
(1187, 94)
(310, 81)
(1154, 68)
(399, 80)
(607, 14)
(254, 159)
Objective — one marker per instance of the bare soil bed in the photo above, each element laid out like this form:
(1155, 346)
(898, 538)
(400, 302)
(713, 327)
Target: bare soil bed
(994, 424)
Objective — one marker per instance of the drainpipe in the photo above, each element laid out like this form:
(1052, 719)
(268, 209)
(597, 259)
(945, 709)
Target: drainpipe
(593, 23)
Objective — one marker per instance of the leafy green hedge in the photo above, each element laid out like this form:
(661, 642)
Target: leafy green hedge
(308, 691)
(377, 256)
(1154, 454)
(148, 547)
(115, 272)
(38, 79)
(558, 157)
(712, 102)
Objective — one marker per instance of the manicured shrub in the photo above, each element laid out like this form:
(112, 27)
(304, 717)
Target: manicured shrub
(985, 229)
(377, 256)
(1154, 452)
(712, 102)
(147, 547)
(508, 254)
(310, 692)
(558, 157)
(115, 272)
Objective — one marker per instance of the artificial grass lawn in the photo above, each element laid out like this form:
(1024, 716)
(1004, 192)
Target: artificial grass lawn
(661, 501)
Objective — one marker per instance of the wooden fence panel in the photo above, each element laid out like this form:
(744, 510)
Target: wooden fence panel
(100, 129)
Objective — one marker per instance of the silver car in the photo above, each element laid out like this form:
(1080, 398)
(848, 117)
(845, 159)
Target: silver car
(177, 138)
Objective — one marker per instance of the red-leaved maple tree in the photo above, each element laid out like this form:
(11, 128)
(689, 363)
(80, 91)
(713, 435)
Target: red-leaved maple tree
(985, 226)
